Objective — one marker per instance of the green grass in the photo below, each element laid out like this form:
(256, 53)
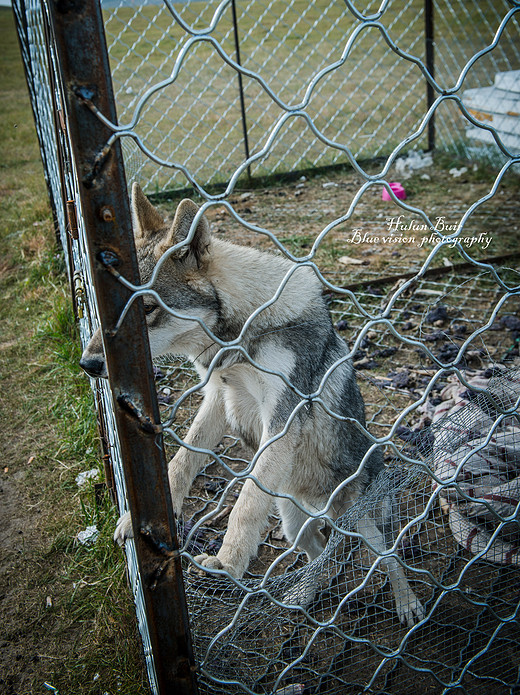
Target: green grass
(286, 44)
(66, 612)
(370, 104)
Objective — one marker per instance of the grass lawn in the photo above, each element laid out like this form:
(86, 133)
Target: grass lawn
(65, 612)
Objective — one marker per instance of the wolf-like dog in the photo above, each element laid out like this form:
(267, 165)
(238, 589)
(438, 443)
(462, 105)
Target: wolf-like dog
(287, 388)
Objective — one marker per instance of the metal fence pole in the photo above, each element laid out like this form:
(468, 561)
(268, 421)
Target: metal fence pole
(83, 63)
(429, 37)
(240, 85)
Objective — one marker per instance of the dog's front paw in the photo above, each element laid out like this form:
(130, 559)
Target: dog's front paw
(123, 529)
(210, 561)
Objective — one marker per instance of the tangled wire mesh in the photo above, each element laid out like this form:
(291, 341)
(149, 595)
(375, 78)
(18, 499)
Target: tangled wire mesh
(292, 626)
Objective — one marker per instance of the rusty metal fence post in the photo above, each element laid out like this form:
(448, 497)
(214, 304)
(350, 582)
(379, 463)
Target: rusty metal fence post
(77, 26)
(429, 40)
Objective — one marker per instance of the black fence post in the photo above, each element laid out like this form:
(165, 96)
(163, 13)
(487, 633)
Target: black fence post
(429, 35)
(240, 85)
(78, 34)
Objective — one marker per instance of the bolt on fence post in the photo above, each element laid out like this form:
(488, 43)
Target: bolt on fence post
(429, 37)
(78, 34)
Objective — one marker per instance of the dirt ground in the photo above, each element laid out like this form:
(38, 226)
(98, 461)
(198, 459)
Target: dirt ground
(297, 212)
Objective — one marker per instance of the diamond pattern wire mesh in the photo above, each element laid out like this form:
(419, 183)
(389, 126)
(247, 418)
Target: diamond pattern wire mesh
(272, 632)
(36, 60)
(452, 50)
(346, 638)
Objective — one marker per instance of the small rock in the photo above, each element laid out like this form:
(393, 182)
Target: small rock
(440, 313)
(512, 323)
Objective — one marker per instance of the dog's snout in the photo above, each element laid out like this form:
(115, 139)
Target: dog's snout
(93, 357)
(93, 366)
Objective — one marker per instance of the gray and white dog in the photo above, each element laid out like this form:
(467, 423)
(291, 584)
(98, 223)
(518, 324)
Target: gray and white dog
(289, 392)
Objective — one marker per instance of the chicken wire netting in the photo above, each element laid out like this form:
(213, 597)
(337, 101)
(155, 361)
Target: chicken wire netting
(452, 476)
(209, 118)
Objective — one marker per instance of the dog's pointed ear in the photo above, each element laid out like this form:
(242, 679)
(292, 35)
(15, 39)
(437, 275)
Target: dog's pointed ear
(180, 231)
(146, 219)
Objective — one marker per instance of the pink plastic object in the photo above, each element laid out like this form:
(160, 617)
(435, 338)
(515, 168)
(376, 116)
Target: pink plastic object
(398, 190)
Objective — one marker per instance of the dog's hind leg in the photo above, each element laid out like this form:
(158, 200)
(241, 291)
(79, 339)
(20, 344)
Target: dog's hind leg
(311, 540)
(408, 607)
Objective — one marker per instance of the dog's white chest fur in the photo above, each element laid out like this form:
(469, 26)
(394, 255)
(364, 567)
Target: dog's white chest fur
(250, 396)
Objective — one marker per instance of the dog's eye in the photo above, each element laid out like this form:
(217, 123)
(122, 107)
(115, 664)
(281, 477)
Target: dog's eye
(150, 308)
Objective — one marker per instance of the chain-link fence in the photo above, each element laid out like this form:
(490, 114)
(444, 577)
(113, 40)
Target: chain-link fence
(350, 72)
(416, 589)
